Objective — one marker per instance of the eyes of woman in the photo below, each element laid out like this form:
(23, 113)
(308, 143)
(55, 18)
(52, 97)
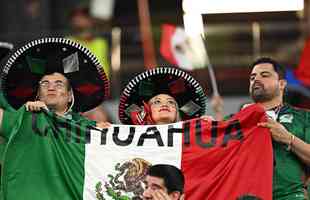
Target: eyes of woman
(158, 102)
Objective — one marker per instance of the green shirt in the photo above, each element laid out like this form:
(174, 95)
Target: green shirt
(31, 149)
(289, 170)
(5, 105)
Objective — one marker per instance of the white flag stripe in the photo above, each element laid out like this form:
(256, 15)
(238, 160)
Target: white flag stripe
(101, 159)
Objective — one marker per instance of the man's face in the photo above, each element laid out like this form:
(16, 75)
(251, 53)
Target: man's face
(53, 91)
(265, 84)
(163, 108)
(81, 22)
(156, 189)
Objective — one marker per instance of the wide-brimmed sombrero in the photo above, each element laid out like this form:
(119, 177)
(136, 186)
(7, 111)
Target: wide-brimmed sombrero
(179, 84)
(5, 49)
(27, 65)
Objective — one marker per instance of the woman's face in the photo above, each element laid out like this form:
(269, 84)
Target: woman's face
(163, 109)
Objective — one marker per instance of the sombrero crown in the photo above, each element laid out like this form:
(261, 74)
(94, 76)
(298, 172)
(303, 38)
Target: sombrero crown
(25, 68)
(182, 86)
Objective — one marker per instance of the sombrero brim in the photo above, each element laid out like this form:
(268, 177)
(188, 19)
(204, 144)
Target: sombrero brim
(31, 62)
(5, 49)
(182, 86)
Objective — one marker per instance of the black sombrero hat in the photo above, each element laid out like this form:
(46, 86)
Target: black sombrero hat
(182, 86)
(5, 49)
(25, 68)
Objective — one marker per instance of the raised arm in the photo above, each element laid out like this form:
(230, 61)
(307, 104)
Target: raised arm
(1, 116)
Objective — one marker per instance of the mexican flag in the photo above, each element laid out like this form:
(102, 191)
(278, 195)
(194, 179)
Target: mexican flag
(52, 158)
(181, 50)
(302, 71)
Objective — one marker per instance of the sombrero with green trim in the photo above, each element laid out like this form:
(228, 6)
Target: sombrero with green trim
(27, 65)
(177, 83)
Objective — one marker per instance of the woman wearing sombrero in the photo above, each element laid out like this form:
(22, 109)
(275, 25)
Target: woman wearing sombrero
(160, 96)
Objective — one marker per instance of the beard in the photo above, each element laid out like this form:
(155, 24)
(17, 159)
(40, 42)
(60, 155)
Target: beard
(260, 94)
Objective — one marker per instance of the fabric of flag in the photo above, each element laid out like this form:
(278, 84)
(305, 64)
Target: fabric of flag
(298, 79)
(165, 45)
(181, 50)
(51, 158)
(302, 72)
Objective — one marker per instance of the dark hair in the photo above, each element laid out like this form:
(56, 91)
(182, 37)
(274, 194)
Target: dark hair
(79, 10)
(276, 66)
(173, 177)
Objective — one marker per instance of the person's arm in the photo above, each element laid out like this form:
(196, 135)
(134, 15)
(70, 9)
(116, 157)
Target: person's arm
(7, 119)
(1, 117)
(301, 149)
(217, 105)
(103, 124)
(280, 134)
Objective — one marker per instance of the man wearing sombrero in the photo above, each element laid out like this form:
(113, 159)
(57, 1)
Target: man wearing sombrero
(56, 79)
(24, 77)
(160, 96)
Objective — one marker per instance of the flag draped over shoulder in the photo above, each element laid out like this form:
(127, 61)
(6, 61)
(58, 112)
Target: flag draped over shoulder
(48, 157)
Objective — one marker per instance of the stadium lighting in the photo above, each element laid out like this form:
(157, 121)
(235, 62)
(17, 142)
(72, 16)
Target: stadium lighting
(193, 24)
(240, 6)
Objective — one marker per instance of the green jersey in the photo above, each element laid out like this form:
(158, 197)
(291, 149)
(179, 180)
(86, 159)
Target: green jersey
(31, 150)
(289, 170)
(4, 105)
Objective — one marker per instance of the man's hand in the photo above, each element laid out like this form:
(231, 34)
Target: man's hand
(278, 131)
(160, 195)
(33, 106)
(103, 124)
(207, 118)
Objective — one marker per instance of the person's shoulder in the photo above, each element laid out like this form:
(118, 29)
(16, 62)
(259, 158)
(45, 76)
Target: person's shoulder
(302, 114)
(298, 109)
(99, 39)
(11, 110)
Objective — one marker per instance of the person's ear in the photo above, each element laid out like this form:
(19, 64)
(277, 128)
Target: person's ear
(282, 84)
(70, 96)
(37, 96)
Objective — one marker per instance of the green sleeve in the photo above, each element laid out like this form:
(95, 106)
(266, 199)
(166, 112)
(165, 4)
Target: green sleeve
(4, 104)
(307, 128)
(8, 121)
